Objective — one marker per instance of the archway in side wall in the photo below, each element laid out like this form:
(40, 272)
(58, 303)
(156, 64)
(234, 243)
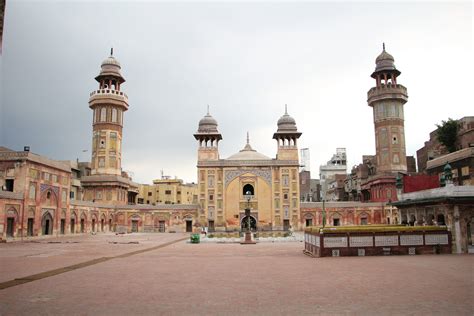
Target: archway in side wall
(308, 220)
(11, 221)
(73, 222)
(336, 219)
(47, 224)
(363, 218)
(102, 223)
(83, 223)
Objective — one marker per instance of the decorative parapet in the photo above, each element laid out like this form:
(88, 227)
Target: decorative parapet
(390, 91)
(455, 156)
(449, 191)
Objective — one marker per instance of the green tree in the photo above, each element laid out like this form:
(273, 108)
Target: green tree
(447, 134)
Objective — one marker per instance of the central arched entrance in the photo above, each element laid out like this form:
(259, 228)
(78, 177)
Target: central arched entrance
(244, 223)
(47, 224)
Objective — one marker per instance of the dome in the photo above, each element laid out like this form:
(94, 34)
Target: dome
(286, 122)
(110, 66)
(207, 124)
(384, 61)
(248, 153)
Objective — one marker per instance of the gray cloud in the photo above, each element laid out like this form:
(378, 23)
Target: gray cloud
(244, 59)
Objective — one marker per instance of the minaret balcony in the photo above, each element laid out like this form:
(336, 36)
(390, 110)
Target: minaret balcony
(109, 94)
(390, 91)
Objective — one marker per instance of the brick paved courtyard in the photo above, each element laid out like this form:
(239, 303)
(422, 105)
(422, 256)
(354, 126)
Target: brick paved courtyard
(202, 279)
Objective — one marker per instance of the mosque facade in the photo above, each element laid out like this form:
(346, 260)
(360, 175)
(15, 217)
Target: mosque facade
(248, 179)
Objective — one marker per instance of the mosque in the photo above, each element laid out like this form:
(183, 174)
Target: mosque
(248, 179)
(40, 196)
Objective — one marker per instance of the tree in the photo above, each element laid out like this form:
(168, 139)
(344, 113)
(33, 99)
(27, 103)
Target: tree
(447, 134)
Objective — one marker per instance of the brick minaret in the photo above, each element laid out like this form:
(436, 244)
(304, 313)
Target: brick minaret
(387, 99)
(108, 103)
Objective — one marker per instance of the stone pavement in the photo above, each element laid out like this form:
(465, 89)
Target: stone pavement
(227, 279)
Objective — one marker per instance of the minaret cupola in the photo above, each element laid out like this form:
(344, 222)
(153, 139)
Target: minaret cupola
(286, 136)
(208, 138)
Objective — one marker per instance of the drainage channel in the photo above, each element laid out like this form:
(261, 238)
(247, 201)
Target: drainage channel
(47, 274)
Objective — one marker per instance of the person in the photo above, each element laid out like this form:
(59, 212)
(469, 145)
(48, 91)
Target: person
(290, 231)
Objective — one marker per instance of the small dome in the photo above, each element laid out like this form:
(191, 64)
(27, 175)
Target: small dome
(286, 122)
(384, 61)
(207, 124)
(110, 67)
(248, 153)
(111, 61)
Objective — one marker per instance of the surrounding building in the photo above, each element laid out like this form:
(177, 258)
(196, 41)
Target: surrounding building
(168, 191)
(433, 148)
(337, 165)
(450, 205)
(248, 179)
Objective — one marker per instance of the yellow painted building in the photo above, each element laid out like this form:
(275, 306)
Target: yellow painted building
(272, 182)
(168, 191)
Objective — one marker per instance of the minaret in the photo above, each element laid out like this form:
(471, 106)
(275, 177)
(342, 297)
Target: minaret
(208, 138)
(108, 104)
(387, 99)
(286, 136)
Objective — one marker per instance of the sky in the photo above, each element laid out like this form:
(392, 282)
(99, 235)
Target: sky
(245, 59)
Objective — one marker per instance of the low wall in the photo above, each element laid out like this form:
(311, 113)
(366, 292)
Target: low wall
(376, 240)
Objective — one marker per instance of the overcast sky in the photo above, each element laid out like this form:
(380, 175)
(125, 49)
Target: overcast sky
(246, 60)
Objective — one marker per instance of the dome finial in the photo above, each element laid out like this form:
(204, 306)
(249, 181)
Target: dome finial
(383, 45)
(286, 109)
(208, 109)
(248, 138)
(111, 51)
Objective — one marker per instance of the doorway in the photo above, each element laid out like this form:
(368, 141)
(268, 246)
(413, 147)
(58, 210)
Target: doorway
(47, 224)
(93, 225)
(10, 226)
(211, 226)
(189, 226)
(286, 224)
(161, 226)
(29, 230)
(63, 226)
(73, 224)
(102, 223)
(134, 226)
(309, 222)
(83, 224)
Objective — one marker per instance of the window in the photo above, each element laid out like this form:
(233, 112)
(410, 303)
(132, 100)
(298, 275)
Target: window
(247, 188)
(9, 184)
(54, 178)
(277, 203)
(363, 220)
(46, 176)
(286, 180)
(71, 195)
(211, 197)
(102, 143)
(64, 196)
(336, 222)
(114, 115)
(113, 141)
(149, 193)
(32, 193)
(101, 162)
(285, 196)
(210, 181)
(98, 195)
(168, 192)
(103, 114)
(465, 171)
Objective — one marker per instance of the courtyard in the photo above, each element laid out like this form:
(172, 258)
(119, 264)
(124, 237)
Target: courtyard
(150, 274)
